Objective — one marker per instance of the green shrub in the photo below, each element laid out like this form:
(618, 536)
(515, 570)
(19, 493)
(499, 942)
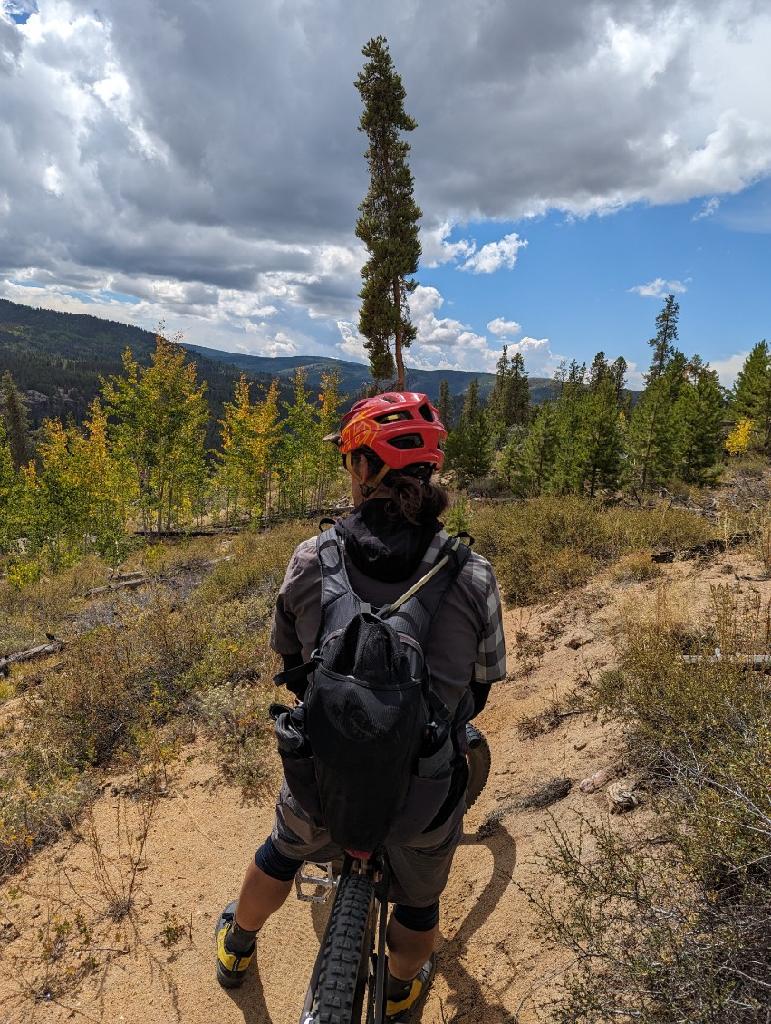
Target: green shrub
(674, 926)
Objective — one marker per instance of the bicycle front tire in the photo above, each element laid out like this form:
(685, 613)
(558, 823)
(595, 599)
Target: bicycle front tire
(345, 957)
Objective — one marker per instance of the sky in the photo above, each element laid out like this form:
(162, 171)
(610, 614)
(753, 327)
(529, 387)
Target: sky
(199, 164)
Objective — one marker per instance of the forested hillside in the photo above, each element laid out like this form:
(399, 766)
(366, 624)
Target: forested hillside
(58, 358)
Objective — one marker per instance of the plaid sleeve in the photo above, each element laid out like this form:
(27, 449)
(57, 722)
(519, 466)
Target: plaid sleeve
(491, 655)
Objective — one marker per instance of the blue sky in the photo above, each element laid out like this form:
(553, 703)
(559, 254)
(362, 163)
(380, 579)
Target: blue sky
(200, 165)
(573, 282)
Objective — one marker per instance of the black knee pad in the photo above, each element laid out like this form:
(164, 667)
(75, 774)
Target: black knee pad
(275, 864)
(417, 919)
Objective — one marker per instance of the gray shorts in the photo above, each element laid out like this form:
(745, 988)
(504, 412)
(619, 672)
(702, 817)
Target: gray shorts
(419, 872)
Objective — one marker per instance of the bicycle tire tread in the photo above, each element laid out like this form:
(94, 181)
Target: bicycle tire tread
(337, 987)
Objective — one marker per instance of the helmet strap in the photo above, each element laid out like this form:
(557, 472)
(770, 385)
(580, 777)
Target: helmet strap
(369, 486)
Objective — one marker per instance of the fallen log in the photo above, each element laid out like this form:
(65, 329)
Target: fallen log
(119, 585)
(41, 651)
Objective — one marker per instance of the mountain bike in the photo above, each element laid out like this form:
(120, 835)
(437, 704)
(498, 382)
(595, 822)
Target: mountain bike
(350, 968)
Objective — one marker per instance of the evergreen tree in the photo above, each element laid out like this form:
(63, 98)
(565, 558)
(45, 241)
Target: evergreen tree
(389, 216)
(618, 370)
(752, 392)
(445, 404)
(14, 413)
(538, 453)
(158, 425)
(700, 417)
(655, 432)
(604, 435)
(666, 335)
(469, 446)
(510, 400)
(598, 371)
(570, 463)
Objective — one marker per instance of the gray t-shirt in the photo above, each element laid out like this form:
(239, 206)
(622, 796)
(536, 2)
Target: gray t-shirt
(466, 642)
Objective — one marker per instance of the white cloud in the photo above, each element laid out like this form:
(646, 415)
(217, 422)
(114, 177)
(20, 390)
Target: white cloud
(436, 249)
(658, 288)
(728, 368)
(495, 255)
(132, 149)
(352, 345)
(501, 327)
(709, 208)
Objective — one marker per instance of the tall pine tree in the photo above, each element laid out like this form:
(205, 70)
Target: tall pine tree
(663, 343)
(699, 414)
(389, 216)
(752, 392)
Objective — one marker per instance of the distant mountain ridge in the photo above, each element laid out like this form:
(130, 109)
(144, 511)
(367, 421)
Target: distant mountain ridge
(58, 358)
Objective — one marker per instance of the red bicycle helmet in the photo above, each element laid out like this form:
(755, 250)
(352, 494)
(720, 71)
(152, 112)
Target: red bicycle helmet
(401, 427)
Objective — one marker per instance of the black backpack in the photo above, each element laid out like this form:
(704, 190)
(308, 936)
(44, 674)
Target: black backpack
(369, 752)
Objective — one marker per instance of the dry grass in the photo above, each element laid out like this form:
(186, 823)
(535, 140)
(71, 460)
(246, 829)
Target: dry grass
(543, 546)
(158, 664)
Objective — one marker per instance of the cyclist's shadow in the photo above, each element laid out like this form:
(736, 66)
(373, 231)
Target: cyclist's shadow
(250, 1000)
(465, 988)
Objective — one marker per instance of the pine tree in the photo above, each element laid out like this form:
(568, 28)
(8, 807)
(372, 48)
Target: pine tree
(604, 435)
(389, 216)
(752, 392)
(538, 453)
(445, 404)
(469, 446)
(665, 337)
(14, 413)
(510, 399)
(700, 415)
(618, 370)
(158, 420)
(570, 464)
(655, 433)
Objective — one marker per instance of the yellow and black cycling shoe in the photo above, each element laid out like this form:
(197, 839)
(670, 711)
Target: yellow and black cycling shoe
(231, 967)
(405, 1009)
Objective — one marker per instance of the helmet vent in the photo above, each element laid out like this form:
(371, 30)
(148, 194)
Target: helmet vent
(392, 417)
(426, 413)
(407, 441)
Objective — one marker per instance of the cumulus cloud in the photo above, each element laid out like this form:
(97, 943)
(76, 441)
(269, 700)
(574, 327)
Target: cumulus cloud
(495, 255)
(436, 248)
(138, 142)
(658, 288)
(501, 327)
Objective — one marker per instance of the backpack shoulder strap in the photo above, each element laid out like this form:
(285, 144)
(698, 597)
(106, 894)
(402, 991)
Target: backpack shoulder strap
(339, 603)
(413, 613)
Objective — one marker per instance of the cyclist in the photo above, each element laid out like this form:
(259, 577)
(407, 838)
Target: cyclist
(391, 446)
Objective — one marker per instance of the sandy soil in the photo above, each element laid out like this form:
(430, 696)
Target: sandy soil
(494, 963)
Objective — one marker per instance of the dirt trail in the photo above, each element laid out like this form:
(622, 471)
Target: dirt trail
(494, 965)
